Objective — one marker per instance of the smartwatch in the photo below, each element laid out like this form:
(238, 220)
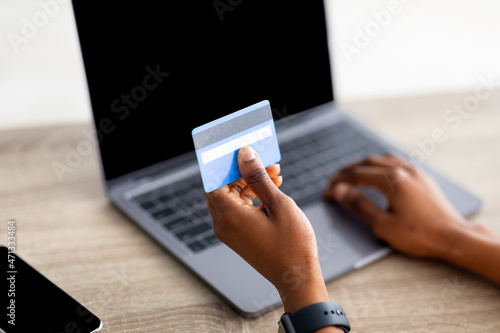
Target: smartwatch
(314, 317)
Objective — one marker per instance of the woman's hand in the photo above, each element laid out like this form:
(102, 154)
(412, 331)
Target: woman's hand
(419, 220)
(276, 238)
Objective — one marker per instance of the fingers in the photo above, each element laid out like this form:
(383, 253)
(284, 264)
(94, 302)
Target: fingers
(248, 194)
(382, 171)
(278, 181)
(385, 179)
(241, 189)
(273, 171)
(256, 177)
(356, 202)
(386, 160)
(239, 186)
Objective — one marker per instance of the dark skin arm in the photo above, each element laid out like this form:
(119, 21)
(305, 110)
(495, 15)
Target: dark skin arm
(419, 221)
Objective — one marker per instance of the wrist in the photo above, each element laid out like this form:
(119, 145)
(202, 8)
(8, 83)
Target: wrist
(302, 287)
(318, 317)
(448, 241)
(475, 252)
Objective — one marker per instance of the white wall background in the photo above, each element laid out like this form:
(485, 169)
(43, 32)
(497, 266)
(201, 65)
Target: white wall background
(423, 47)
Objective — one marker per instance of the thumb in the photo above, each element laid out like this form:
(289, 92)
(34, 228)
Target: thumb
(255, 175)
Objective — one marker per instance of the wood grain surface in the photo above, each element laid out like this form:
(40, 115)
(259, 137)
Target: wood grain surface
(69, 231)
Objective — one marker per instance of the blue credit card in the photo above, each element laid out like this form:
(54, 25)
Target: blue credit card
(217, 143)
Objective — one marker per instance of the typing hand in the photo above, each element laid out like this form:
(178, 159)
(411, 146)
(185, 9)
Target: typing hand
(419, 220)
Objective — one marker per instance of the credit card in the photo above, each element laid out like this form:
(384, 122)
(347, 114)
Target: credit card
(217, 143)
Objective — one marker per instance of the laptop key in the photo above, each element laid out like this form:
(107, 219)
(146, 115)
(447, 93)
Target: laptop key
(196, 246)
(147, 205)
(212, 240)
(163, 213)
(201, 213)
(164, 198)
(194, 231)
(177, 223)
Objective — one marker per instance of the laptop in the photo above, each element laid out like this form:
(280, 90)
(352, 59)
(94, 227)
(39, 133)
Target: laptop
(156, 70)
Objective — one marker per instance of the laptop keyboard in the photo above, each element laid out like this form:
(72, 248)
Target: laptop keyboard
(181, 208)
(321, 154)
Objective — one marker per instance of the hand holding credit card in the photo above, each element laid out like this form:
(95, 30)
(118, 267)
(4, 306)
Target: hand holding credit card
(217, 143)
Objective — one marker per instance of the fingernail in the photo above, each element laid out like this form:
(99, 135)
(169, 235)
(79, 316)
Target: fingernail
(247, 154)
(339, 191)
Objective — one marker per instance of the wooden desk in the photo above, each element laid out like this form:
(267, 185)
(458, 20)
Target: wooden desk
(70, 232)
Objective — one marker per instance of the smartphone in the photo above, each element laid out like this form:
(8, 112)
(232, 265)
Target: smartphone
(31, 303)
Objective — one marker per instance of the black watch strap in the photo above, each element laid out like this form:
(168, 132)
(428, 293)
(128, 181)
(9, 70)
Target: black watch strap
(314, 317)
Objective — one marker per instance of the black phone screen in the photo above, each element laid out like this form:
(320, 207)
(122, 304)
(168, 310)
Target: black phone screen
(31, 303)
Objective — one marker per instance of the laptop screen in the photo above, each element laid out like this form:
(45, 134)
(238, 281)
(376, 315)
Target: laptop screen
(158, 69)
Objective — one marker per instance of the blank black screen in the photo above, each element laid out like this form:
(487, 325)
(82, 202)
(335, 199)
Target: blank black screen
(157, 69)
(31, 303)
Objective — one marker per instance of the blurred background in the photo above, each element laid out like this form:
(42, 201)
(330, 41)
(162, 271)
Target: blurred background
(381, 49)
